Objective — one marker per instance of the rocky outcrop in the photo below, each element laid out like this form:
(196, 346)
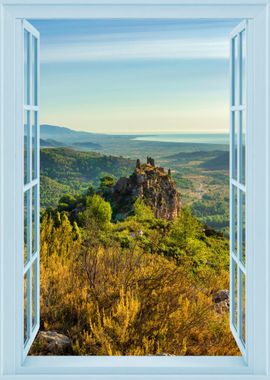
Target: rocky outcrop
(52, 343)
(152, 184)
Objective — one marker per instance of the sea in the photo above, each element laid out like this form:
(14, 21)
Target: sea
(201, 138)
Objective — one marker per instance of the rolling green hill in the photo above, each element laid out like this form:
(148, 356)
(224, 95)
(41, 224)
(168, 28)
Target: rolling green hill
(219, 162)
(66, 170)
(50, 143)
(51, 191)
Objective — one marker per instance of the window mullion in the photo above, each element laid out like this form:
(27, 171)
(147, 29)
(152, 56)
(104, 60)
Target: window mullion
(29, 290)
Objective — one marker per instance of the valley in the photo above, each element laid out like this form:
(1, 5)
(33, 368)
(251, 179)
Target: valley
(200, 170)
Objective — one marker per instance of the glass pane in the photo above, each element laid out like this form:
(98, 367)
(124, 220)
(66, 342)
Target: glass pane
(243, 306)
(34, 146)
(234, 220)
(242, 227)
(26, 147)
(235, 76)
(27, 223)
(34, 294)
(235, 295)
(34, 219)
(243, 147)
(243, 67)
(26, 68)
(34, 71)
(235, 129)
(26, 307)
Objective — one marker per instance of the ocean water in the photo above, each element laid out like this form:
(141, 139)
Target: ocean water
(201, 138)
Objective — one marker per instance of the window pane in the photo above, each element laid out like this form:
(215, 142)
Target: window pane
(234, 220)
(34, 219)
(235, 295)
(34, 294)
(27, 223)
(243, 306)
(34, 70)
(242, 227)
(235, 129)
(243, 67)
(26, 68)
(34, 146)
(26, 147)
(235, 75)
(26, 306)
(243, 147)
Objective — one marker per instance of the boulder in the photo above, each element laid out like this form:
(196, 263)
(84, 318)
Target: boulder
(52, 343)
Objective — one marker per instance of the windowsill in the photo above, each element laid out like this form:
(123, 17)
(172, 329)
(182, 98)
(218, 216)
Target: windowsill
(160, 365)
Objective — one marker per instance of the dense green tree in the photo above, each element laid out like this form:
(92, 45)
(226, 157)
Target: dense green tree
(141, 211)
(98, 212)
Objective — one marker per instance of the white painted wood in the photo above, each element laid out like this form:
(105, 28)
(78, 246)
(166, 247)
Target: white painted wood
(21, 26)
(166, 10)
(258, 212)
(236, 186)
(135, 2)
(8, 195)
(145, 376)
(1, 183)
(267, 205)
(19, 292)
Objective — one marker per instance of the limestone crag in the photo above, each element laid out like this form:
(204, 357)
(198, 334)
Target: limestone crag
(152, 184)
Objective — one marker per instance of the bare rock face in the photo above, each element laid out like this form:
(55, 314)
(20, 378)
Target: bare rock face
(52, 343)
(152, 184)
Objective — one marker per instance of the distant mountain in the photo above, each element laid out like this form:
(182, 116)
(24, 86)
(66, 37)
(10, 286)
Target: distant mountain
(54, 130)
(192, 156)
(50, 143)
(55, 136)
(211, 160)
(64, 135)
(87, 144)
(129, 146)
(219, 162)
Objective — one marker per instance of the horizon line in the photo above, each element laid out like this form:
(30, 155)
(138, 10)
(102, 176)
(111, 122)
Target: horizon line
(140, 134)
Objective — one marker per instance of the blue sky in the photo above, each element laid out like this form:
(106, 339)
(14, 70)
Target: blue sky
(135, 76)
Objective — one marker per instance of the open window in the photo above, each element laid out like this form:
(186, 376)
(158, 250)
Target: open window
(238, 196)
(238, 54)
(31, 184)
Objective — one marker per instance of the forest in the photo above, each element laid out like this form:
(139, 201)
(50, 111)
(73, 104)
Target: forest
(134, 285)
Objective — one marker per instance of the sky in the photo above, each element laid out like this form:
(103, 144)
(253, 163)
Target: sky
(135, 76)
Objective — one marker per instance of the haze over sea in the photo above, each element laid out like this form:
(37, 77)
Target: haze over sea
(201, 138)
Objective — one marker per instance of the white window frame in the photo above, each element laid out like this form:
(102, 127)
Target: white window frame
(31, 185)
(256, 364)
(238, 107)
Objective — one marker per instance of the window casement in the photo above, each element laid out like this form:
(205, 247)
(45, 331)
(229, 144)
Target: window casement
(31, 185)
(19, 191)
(238, 196)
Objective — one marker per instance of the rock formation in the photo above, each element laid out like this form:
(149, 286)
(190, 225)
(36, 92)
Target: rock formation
(153, 185)
(52, 343)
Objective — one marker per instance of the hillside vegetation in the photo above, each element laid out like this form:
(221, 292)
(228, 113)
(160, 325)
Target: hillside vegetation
(73, 171)
(143, 285)
(202, 177)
